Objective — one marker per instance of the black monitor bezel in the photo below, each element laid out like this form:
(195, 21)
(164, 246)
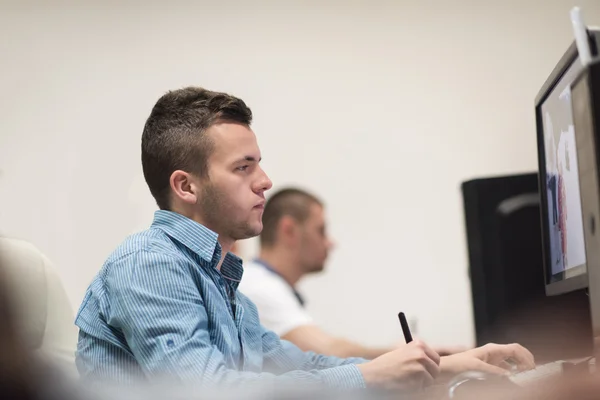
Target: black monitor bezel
(565, 284)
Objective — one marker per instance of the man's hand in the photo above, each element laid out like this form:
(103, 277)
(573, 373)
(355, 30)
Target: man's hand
(450, 350)
(408, 369)
(491, 358)
(441, 350)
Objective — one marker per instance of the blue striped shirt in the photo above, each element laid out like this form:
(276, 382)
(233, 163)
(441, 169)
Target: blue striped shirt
(159, 306)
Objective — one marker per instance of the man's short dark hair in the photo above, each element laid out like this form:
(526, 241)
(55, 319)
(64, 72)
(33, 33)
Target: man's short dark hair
(292, 202)
(175, 137)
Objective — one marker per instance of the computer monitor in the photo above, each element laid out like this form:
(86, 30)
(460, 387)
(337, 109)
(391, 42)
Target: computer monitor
(586, 116)
(565, 267)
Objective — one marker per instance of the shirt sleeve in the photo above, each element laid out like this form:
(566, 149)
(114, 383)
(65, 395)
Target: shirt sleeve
(156, 304)
(281, 355)
(278, 307)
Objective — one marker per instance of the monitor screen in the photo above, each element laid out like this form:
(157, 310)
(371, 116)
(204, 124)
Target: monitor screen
(565, 250)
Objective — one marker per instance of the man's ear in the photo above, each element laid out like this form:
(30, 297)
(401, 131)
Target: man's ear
(288, 229)
(184, 186)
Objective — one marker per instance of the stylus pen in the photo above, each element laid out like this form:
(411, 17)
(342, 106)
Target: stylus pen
(405, 329)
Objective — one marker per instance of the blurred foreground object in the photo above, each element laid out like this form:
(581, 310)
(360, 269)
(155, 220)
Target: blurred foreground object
(43, 315)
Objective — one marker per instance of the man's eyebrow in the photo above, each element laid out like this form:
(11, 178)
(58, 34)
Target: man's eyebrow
(249, 159)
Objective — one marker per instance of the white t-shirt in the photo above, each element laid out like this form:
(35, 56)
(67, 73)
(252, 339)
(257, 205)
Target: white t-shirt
(279, 309)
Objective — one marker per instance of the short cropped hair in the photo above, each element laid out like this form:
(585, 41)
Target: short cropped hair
(292, 202)
(174, 136)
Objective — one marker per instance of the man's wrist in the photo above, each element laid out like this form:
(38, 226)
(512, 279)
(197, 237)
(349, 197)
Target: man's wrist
(366, 372)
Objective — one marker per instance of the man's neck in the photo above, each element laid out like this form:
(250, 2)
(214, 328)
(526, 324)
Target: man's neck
(283, 262)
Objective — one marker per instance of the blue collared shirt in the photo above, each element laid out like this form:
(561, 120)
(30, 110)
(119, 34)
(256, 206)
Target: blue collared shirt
(159, 306)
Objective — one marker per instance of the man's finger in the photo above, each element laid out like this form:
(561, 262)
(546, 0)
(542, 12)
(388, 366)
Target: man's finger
(522, 356)
(431, 367)
(516, 353)
(508, 365)
(432, 354)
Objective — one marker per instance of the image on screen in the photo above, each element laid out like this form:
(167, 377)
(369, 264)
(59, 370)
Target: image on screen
(567, 246)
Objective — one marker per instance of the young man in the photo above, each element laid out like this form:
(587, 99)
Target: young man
(165, 303)
(294, 243)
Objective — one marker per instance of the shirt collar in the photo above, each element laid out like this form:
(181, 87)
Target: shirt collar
(201, 241)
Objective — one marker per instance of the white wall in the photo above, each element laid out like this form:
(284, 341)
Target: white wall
(380, 107)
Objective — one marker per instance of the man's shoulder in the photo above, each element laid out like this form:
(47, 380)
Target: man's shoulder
(151, 247)
(151, 240)
(257, 277)
(267, 289)
(253, 268)
(278, 307)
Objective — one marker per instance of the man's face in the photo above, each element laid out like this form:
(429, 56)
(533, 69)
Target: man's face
(314, 242)
(232, 197)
